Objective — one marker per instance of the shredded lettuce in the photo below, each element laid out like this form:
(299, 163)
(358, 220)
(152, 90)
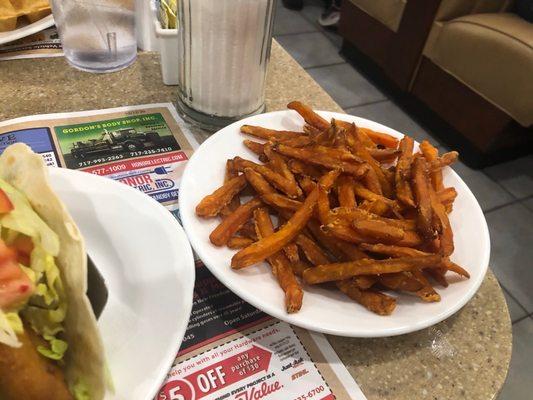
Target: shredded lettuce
(26, 221)
(15, 322)
(80, 390)
(8, 335)
(57, 348)
(46, 309)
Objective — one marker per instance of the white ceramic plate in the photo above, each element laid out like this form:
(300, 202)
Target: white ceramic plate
(147, 262)
(325, 310)
(26, 30)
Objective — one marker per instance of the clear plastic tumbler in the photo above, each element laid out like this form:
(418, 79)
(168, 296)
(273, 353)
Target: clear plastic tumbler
(97, 35)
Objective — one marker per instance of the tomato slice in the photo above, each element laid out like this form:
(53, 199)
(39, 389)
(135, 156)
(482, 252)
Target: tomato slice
(15, 285)
(23, 245)
(5, 204)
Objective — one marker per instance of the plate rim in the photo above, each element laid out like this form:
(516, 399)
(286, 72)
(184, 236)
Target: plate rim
(187, 259)
(272, 311)
(30, 29)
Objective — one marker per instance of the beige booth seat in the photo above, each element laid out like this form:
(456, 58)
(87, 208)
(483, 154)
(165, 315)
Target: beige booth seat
(492, 54)
(388, 12)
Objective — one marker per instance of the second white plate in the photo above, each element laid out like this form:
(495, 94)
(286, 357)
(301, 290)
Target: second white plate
(147, 263)
(326, 310)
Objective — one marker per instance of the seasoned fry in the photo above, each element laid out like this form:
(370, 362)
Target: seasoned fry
(268, 134)
(326, 161)
(280, 166)
(309, 115)
(270, 245)
(233, 222)
(277, 180)
(378, 230)
(423, 202)
(384, 155)
(255, 147)
(426, 293)
(403, 172)
(384, 225)
(211, 204)
(263, 248)
(257, 181)
(301, 168)
(400, 281)
(367, 266)
(239, 242)
(277, 200)
(377, 302)
(312, 251)
(345, 191)
(381, 138)
(280, 265)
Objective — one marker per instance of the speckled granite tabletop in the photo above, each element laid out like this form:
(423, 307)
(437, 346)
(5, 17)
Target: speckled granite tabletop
(466, 356)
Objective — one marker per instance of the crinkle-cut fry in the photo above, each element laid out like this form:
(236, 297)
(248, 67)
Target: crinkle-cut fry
(427, 293)
(400, 281)
(280, 265)
(378, 230)
(374, 301)
(326, 161)
(345, 191)
(307, 184)
(277, 180)
(403, 172)
(367, 266)
(309, 115)
(384, 156)
(280, 166)
(381, 138)
(268, 134)
(311, 250)
(301, 168)
(233, 222)
(371, 182)
(421, 185)
(277, 200)
(442, 224)
(263, 248)
(255, 147)
(239, 242)
(211, 204)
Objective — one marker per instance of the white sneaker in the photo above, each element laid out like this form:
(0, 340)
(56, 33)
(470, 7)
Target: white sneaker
(330, 17)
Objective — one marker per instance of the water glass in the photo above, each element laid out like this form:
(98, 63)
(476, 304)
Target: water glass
(97, 35)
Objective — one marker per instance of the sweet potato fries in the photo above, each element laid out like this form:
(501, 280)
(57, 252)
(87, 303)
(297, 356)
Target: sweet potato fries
(356, 207)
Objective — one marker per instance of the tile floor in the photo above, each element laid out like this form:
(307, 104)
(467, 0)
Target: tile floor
(505, 191)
